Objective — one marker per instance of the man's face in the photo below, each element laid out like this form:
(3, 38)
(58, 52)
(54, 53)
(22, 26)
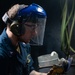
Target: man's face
(30, 31)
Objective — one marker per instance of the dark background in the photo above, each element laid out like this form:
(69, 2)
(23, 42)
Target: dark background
(53, 25)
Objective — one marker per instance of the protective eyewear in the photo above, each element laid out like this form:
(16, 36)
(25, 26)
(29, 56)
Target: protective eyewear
(33, 27)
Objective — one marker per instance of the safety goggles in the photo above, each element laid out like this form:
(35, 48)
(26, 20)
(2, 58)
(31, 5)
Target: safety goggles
(33, 27)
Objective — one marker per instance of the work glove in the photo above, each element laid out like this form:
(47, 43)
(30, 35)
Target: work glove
(61, 68)
(67, 63)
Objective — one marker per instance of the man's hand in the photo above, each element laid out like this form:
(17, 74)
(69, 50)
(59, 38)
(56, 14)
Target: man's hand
(37, 73)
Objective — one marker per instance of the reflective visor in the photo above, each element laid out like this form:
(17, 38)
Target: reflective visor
(39, 36)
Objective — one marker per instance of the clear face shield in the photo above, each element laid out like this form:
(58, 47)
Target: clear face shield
(39, 32)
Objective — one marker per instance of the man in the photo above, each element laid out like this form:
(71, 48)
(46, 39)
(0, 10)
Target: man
(24, 23)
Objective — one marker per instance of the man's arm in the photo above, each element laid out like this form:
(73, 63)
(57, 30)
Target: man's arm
(37, 73)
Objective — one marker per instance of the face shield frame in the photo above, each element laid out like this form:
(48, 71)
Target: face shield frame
(38, 38)
(35, 14)
(38, 26)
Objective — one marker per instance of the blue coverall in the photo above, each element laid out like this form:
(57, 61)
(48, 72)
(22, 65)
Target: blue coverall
(11, 61)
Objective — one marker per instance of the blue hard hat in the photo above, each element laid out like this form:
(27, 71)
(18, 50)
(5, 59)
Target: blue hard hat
(33, 10)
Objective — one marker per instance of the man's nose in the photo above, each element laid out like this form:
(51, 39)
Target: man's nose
(34, 33)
